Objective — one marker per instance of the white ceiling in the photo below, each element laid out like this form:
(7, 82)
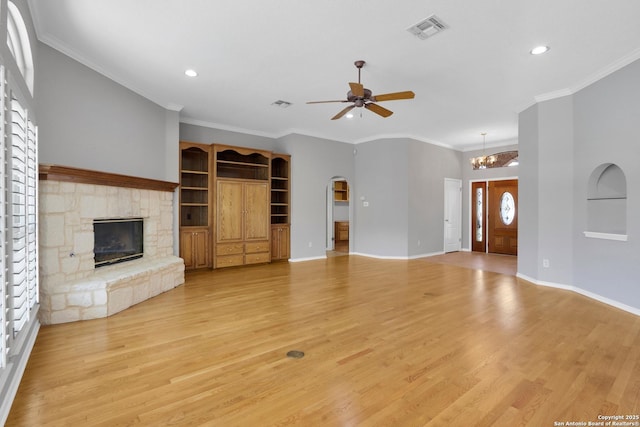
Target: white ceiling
(474, 77)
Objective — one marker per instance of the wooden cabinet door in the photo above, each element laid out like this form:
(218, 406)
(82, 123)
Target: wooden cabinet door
(257, 211)
(186, 249)
(201, 249)
(194, 248)
(342, 231)
(280, 245)
(229, 211)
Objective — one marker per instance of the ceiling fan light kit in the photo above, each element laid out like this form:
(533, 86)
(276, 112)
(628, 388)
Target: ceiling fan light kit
(360, 96)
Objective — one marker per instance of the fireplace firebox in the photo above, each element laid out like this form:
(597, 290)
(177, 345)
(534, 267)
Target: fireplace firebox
(117, 240)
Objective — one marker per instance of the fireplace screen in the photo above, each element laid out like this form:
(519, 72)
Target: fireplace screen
(117, 240)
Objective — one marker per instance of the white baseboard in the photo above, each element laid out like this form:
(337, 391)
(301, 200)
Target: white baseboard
(378, 256)
(307, 259)
(588, 294)
(14, 370)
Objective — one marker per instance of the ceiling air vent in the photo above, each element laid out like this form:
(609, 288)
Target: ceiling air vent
(280, 103)
(427, 27)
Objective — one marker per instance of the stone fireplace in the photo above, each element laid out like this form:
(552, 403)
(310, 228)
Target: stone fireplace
(70, 201)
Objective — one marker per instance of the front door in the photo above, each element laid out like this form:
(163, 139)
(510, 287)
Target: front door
(503, 217)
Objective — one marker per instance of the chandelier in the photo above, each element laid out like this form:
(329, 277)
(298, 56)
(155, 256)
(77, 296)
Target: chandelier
(484, 161)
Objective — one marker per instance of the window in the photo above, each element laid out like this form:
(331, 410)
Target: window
(23, 181)
(507, 208)
(479, 214)
(18, 43)
(19, 290)
(18, 216)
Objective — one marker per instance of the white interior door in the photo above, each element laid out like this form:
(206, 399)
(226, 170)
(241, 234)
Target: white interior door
(452, 215)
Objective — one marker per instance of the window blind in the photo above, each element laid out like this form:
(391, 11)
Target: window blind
(32, 215)
(18, 188)
(4, 287)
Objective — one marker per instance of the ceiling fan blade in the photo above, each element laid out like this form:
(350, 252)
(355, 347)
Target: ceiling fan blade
(393, 96)
(378, 109)
(343, 112)
(325, 102)
(357, 89)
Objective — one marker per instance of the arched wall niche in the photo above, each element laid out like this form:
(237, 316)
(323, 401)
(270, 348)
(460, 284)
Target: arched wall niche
(607, 201)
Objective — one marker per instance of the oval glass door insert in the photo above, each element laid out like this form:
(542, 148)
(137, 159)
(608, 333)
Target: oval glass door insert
(507, 208)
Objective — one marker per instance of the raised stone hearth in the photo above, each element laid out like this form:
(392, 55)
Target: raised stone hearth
(71, 288)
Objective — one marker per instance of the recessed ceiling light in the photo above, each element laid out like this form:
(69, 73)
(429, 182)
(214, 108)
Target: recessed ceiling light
(349, 116)
(539, 50)
(191, 73)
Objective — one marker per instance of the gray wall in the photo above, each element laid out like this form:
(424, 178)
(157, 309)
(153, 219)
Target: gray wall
(606, 131)
(208, 135)
(562, 141)
(403, 182)
(382, 180)
(428, 166)
(88, 121)
(314, 161)
(555, 187)
(528, 192)
(546, 192)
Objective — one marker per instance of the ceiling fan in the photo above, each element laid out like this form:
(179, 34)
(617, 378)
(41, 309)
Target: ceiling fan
(363, 97)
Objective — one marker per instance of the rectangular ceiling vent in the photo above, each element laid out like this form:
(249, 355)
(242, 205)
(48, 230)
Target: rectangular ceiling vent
(280, 103)
(428, 27)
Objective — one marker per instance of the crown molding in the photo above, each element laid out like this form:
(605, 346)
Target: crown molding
(220, 126)
(58, 45)
(595, 77)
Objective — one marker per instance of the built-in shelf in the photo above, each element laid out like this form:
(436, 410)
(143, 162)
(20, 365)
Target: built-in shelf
(606, 236)
(340, 191)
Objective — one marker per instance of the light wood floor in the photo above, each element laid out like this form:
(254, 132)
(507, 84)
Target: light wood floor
(505, 264)
(386, 343)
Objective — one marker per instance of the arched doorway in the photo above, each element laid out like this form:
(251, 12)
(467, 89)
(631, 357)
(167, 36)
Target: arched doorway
(338, 216)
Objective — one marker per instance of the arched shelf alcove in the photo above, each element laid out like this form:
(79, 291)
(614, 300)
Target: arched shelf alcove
(607, 203)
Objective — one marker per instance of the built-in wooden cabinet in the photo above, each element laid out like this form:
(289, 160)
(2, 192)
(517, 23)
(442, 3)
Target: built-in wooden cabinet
(242, 223)
(280, 242)
(194, 247)
(195, 203)
(234, 205)
(280, 205)
(341, 231)
(340, 191)
(242, 206)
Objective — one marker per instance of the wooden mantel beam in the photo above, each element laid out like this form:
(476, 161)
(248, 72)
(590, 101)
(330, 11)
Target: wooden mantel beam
(86, 176)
